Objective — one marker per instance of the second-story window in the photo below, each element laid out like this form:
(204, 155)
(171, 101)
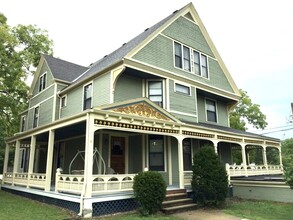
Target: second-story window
(42, 82)
(186, 58)
(23, 121)
(178, 55)
(156, 92)
(36, 117)
(87, 97)
(63, 101)
(211, 110)
(182, 89)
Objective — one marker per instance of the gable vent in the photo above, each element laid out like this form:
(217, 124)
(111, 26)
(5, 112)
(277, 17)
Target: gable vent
(189, 16)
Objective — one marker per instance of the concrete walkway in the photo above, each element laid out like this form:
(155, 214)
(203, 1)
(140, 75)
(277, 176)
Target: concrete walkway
(206, 214)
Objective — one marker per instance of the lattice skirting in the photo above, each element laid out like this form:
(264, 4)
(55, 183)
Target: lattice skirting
(73, 206)
(115, 206)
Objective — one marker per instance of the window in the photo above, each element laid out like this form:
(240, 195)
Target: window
(187, 156)
(211, 110)
(156, 92)
(190, 60)
(87, 97)
(23, 120)
(182, 89)
(178, 55)
(42, 82)
(156, 153)
(63, 101)
(36, 117)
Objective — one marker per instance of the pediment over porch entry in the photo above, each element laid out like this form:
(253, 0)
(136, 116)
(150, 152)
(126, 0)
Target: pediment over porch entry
(141, 107)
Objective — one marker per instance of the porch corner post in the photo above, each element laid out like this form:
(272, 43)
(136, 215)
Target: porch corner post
(16, 160)
(215, 143)
(280, 155)
(180, 162)
(264, 154)
(31, 158)
(49, 160)
(5, 165)
(86, 206)
(244, 158)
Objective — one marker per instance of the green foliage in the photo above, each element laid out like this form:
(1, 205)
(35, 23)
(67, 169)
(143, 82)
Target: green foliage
(209, 180)
(20, 49)
(287, 157)
(246, 110)
(149, 190)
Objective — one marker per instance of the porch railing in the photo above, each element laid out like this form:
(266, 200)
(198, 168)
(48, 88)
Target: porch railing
(36, 180)
(253, 170)
(187, 178)
(101, 183)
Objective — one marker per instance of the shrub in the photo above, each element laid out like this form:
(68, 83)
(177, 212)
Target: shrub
(149, 190)
(209, 180)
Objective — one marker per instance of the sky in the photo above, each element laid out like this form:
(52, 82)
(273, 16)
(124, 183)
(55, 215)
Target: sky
(254, 38)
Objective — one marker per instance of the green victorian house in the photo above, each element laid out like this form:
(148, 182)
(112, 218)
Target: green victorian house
(149, 105)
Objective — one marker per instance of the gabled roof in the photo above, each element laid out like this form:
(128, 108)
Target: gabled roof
(63, 70)
(141, 107)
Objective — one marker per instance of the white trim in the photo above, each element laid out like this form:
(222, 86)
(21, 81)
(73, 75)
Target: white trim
(163, 89)
(184, 113)
(143, 141)
(168, 94)
(169, 170)
(42, 91)
(45, 100)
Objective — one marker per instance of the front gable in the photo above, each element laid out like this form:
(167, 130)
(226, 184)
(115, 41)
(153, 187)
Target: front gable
(141, 107)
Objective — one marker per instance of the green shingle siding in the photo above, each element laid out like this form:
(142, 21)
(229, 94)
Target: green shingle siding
(45, 116)
(102, 90)
(127, 87)
(74, 103)
(181, 102)
(42, 96)
(188, 33)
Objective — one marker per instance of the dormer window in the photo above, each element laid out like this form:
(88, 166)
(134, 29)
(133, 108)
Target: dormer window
(190, 60)
(42, 82)
(211, 110)
(155, 92)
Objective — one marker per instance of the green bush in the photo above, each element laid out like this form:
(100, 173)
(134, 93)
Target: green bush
(209, 180)
(149, 190)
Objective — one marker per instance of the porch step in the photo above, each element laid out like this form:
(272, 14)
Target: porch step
(177, 201)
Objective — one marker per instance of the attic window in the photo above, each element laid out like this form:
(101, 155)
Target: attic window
(42, 82)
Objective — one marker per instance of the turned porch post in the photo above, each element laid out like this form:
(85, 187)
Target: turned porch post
(6, 158)
(49, 160)
(244, 158)
(32, 157)
(180, 162)
(264, 155)
(16, 159)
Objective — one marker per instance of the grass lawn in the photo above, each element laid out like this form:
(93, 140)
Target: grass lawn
(18, 208)
(259, 210)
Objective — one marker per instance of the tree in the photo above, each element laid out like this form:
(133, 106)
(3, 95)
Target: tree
(246, 110)
(287, 157)
(209, 179)
(20, 49)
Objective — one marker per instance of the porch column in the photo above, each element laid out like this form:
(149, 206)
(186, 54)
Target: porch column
(86, 207)
(16, 159)
(6, 158)
(280, 155)
(264, 155)
(49, 160)
(180, 162)
(244, 158)
(215, 143)
(32, 157)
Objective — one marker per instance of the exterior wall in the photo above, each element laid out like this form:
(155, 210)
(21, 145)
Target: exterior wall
(74, 103)
(159, 53)
(135, 154)
(127, 87)
(49, 78)
(101, 90)
(186, 104)
(222, 111)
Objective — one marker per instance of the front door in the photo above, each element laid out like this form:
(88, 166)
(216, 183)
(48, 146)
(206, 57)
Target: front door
(118, 154)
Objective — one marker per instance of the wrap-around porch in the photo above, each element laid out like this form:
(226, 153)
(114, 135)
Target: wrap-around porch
(99, 152)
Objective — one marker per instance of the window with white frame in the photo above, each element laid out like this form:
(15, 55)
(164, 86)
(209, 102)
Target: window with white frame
(36, 117)
(23, 121)
(190, 60)
(156, 153)
(182, 89)
(42, 82)
(87, 97)
(211, 110)
(155, 92)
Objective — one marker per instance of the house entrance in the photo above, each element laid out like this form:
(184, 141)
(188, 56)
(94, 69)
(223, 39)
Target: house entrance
(118, 154)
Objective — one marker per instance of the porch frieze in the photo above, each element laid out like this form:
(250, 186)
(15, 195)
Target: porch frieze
(143, 126)
(197, 134)
(228, 138)
(250, 141)
(269, 143)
